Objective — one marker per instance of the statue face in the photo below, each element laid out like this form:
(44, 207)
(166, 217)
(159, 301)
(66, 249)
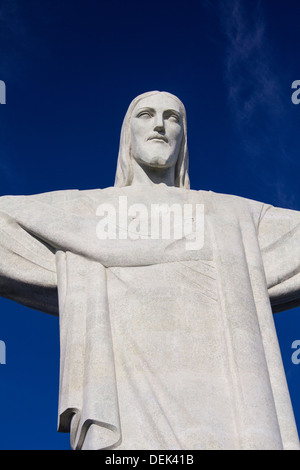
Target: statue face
(156, 131)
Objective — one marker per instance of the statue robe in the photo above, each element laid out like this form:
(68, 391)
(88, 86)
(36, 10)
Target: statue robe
(52, 260)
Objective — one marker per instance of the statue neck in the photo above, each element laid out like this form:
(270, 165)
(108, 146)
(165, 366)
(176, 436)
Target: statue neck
(147, 176)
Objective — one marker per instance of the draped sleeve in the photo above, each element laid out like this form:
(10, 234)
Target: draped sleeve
(27, 264)
(279, 237)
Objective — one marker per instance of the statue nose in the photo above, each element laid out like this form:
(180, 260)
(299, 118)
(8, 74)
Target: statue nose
(159, 125)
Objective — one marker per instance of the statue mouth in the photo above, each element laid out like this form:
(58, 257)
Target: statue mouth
(158, 137)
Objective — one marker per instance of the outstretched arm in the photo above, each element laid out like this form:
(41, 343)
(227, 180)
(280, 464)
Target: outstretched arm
(279, 235)
(27, 267)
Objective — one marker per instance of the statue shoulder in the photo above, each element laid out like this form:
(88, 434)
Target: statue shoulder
(238, 203)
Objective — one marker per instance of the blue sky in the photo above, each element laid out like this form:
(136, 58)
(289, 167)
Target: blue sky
(71, 68)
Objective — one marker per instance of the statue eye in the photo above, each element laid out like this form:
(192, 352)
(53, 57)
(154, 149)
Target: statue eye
(145, 114)
(173, 117)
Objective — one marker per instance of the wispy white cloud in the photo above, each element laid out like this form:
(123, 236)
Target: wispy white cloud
(254, 90)
(252, 85)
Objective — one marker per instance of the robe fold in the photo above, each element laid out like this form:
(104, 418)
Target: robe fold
(52, 260)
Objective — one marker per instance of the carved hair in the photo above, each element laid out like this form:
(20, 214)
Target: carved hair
(124, 173)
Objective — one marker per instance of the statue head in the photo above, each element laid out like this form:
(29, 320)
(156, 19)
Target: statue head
(154, 135)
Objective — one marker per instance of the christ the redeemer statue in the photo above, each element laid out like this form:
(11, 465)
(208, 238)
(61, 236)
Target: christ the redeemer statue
(161, 347)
